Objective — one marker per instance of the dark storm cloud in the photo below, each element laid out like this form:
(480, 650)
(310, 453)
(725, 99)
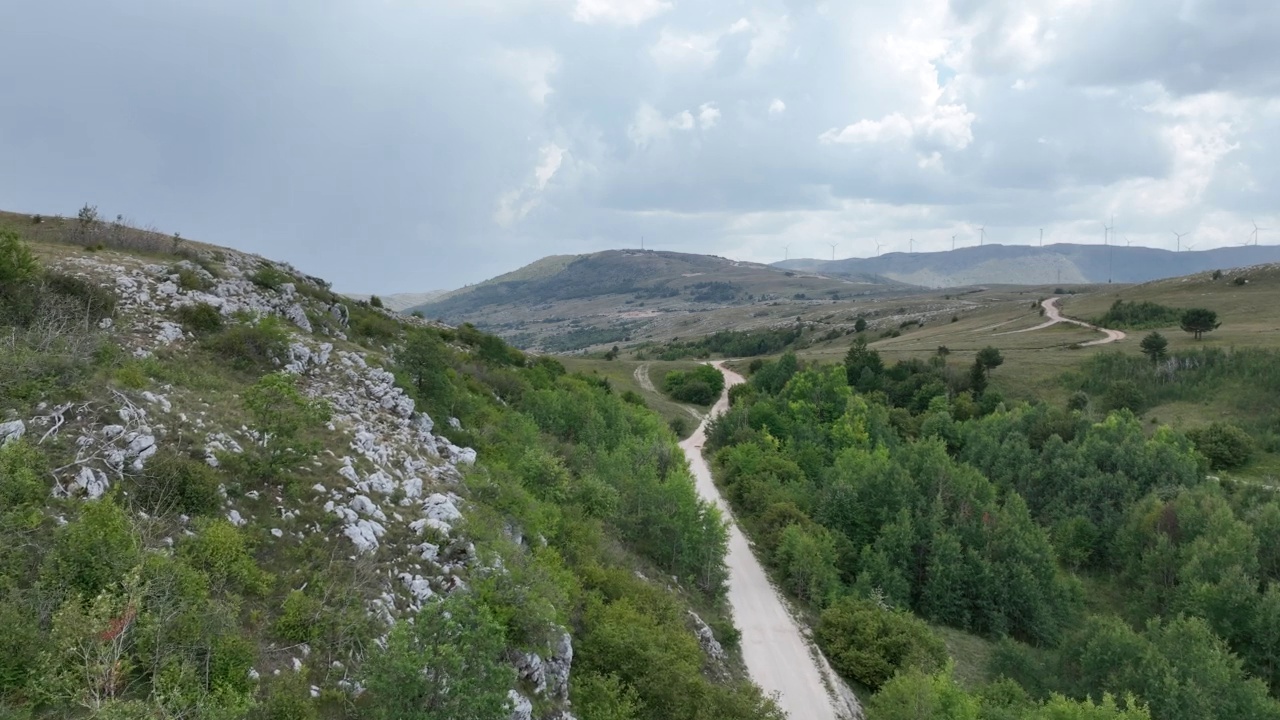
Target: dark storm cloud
(407, 145)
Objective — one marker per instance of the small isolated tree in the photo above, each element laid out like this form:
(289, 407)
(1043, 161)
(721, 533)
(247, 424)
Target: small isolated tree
(1155, 346)
(16, 261)
(990, 358)
(860, 325)
(375, 301)
(1199, 321)
(446, 665)
(282, 414)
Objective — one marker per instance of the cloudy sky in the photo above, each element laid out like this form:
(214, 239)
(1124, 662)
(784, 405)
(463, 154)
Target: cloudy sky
(405, 145)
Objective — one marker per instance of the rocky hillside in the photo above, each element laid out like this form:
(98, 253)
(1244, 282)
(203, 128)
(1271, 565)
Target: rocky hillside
(1053, 264)
(227, 492)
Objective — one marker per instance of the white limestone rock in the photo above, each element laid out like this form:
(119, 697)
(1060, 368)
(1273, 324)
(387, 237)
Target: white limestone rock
(521, 708)
(12, 431)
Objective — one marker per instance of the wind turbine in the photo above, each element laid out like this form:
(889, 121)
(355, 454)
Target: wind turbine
(1106, 232)
(911, 245)
(1191, 246)
(1180, 236)
(878, 246)
(1041, 237)
(833, 250)
(786, 252)
(953, 242)
(1127, 241)
(982, 235)
(1255, 232)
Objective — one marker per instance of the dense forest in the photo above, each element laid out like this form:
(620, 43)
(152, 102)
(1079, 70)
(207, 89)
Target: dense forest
(148, 599)
(1115, 578)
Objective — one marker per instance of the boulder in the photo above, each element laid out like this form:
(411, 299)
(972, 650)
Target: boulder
(12, 431)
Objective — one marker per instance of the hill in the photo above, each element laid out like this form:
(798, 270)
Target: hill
(1027, 265)
(227, 492)
(400, 301)
(569, 302)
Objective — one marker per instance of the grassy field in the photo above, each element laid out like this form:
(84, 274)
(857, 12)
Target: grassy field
(626, 375)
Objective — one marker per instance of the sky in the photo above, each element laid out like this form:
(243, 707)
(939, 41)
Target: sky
(411, 145)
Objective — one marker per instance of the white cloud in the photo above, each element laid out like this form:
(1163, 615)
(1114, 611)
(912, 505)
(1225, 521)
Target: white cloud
(777, 107)
(742, 25)
(552, 156)
(619, 12)
(532, 70)
(708, 114)
(675, 51)
(649, 125)
(890, 128)
(514, 205)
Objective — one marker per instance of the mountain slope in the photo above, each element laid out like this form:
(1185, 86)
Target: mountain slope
(1024, 265)
(223, 494)
(400, 301)
(568, 302)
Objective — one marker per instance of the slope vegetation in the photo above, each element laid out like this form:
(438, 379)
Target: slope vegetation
(226, 493)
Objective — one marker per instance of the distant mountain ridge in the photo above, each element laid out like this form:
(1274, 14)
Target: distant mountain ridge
(401, 301)
(1032, 265)
(646, 274)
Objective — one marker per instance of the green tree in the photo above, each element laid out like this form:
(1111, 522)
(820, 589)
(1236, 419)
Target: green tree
(424, 361)
(17, 263)
(1225, 445)
(1199, 321)
(863, 366)
(916, 695)
(93, 552)
(860, 325)
(989, 358)
(446, 665)
(282, 415)
(870, 643)
(806, 559)
(1155, 346)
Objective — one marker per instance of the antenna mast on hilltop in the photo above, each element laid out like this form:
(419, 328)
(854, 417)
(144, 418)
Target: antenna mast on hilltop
(833, 250)
(1179, 236)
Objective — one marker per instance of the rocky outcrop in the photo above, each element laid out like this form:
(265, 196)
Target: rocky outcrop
(11, 431)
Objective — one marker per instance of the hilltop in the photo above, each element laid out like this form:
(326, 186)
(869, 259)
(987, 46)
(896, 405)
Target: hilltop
(568, 302)
(1027, 265)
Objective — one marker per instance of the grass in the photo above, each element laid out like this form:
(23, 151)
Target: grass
(622, 376)
(971, 653)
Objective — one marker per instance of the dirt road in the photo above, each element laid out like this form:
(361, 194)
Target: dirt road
(1054, 316)
(777, 655)
(642, 378)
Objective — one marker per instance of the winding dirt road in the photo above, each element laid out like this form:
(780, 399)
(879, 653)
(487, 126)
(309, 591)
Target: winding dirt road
(777, 655)
(1051, 311)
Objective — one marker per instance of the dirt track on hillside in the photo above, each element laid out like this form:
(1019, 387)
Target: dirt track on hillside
(778, 656)
(1051, 311)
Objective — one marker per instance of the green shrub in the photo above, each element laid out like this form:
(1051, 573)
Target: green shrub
(700, 386)
(679, 426)
(17, 263)
(375, 301)
(220, 550)
(175, 484)
(447, 664)
(1225, 445)
(23, 480)
(190, 280)
(96, 302)
(200, 319)
(1125, 395)
(269, 277)
(92, 552)
(297, 621)
(251, 346)
(370, 325)
(1079, 400)
(284, 416)
(1142, 315)
(130, 375)
(870, 643)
